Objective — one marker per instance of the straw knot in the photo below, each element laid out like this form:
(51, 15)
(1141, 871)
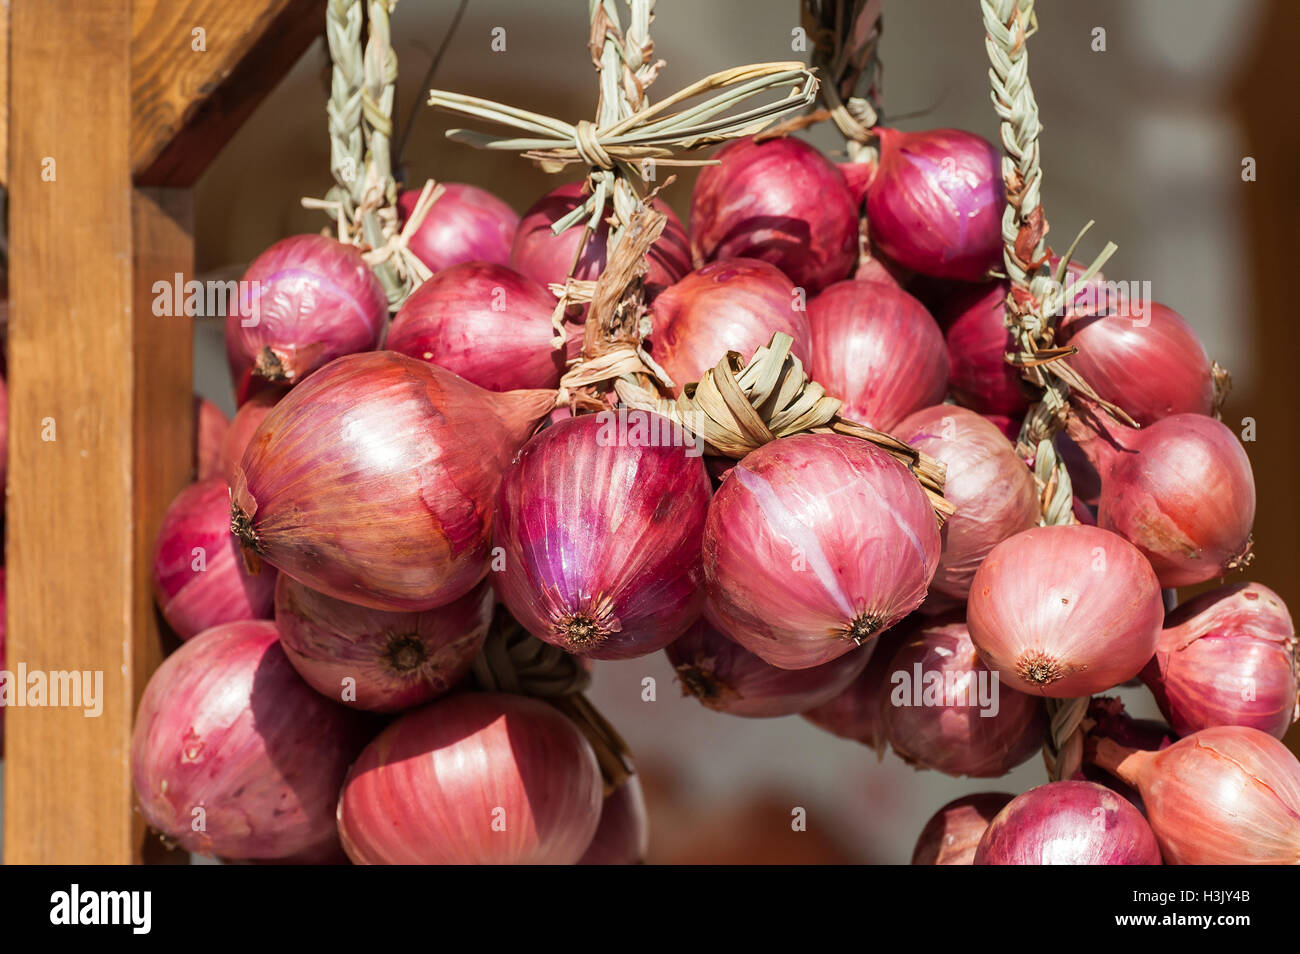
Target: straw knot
(586, 138)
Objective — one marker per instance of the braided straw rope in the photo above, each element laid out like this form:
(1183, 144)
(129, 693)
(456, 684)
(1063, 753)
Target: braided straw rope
(844, 35)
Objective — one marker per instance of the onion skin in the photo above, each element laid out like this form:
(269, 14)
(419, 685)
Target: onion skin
(726, 677)
(978, 340)
(374, 482)
(430, 787)
(951, 836)
(878, 350)
(394, 660)
(956, 739)
(1227, 795)
(1065, 611)
(1112, 722)
(935, 204)
(487, 323)
(855, 712)
(989, 484)
(787, 542)
(1227, 657)
(623, 837)
(210, 427)
(1068, 823)
(226, 724)
(315, 300)
(601, 538)
(780, 201)
(247, 420)
(735, 305)
(199, 590)
(465, 224)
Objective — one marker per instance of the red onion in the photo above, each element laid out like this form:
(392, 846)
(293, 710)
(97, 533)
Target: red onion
(1110, 721)
(1227, 795)
(476, 778)
(735, 305)
(952, 834)
(1227, 657)
(935, 204)
(487, 323)
(373, 482)
(1009, 427)
(857, 176)
(780, 201)
(599, 519)
(877, 349)
(465, 224)
(210, 427)
(944, 710)
(1150, 364)
(814, 544)
(234, 755)
(978, 340)
(305, 301)
(1181, 490)
(199, 579)
(1068, 823)
(855, 712)
(377, 660)
(987, 482)
(540, 254)
(624, 833)
(877, 270)
(726, 677)
(247, 420)
(1065, 611)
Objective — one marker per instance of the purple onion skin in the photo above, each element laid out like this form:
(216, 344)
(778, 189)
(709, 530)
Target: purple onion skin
(601, 534)
(780, 201)
(953, 833)
(1112, 722)
(979, 376)
(465, 224)
(855, 712)
(226, 724)
(1068, 823)
(623, 837)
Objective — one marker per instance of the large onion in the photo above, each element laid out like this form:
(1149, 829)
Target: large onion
(624, 833)
(247, 420)
(953, 833)
(465, 224)
(978, 341)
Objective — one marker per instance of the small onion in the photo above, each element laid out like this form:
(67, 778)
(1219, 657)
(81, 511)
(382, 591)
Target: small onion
(599, 519)
(877, 349)
(247, 420)
(210, 428)
(623, 837)
(780, 201)
(373, 482)
(951, 836)
(465, 224)
(988, 483)
(726, 677)
(814, 544)
(978, 340)
(855, 712)
(1227, 657)
(228, 733)
(1068, 823)
(1065, 611)
(199, 579)
(475, 778)
(377, 660)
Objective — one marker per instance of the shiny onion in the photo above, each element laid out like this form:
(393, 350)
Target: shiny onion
(599, 521)
(210, 427)
(877, 349)
(475, 778)
(465, 224)
(951, 836)
(978, 341)
(624, 833)
(373, 482)
(814, 544)
(1065, 611)
(855, 712)
(247, 420)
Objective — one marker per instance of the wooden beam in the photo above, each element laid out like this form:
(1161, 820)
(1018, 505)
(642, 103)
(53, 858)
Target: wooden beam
(199, 68)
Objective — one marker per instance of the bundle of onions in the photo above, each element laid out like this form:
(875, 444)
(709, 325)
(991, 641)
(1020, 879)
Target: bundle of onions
(877, 349)
(1181, 490)
(210, 428)
(373, 482)
(780, 201)
(1068, 823)
(228, 735)
(475, 778)
(199, 579)
(378, 660)
(1227, 795)
(735, 305)
(465, 224)
(485, 322)
(1227, 657)
(855, 712)
(935, 203)
(943, 710)
(814, 544)
(953, 833)
(541, 255)
(726, 677)
(623, 836)
(599, 520)
(305, 301)
(1065, 611)
(247, 420)
(986, 481)
(978, 341)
